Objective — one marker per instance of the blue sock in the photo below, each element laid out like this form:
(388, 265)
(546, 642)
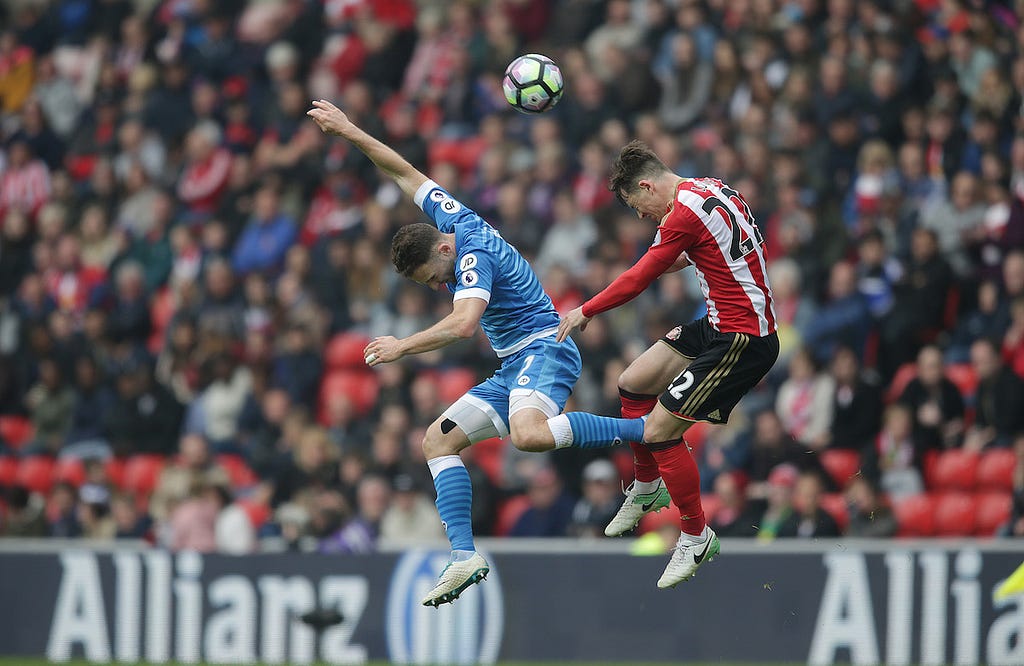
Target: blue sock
(590, 431)
(454, 500)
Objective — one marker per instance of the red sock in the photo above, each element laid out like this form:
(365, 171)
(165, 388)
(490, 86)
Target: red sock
(679, 472)
(635, 405)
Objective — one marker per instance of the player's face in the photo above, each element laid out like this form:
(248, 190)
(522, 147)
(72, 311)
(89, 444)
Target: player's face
(645, 201)
(436, 273)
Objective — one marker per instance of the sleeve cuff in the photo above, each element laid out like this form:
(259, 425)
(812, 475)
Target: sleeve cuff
(473, 292)
(422, 191)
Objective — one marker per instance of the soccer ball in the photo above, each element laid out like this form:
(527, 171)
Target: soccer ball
(533, 83)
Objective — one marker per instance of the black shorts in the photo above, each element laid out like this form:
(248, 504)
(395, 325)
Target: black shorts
(724, 367)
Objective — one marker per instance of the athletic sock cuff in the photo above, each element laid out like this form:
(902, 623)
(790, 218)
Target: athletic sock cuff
(441, 463)
(662, 446)
(629, 395)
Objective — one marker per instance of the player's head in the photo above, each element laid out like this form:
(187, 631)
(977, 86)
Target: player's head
(423, 254)
(641, 180)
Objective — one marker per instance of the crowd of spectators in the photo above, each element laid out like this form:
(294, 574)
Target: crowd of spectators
(184, 258)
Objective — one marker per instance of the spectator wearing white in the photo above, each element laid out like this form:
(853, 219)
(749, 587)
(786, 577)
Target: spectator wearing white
(411, 518)
(805, 401)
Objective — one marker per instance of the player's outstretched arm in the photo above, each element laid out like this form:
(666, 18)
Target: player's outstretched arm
(459, 325)
(333, 120)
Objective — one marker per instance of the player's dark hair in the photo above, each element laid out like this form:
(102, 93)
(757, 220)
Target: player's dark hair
(412, 245)
(636, 162)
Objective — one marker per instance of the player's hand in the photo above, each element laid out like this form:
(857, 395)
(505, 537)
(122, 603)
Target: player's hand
(574, 319)
(383, 350)
(329, 118)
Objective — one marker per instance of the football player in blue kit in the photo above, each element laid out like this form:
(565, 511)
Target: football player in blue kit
(493, 288)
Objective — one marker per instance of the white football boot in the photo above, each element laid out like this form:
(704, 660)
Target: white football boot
(635, 506)
(690, 552)
(455, 578)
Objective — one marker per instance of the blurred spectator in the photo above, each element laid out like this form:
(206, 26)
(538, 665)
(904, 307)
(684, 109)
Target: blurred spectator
(411, 518)
(989, 319)
(266, 237)
(805, 401)
(193, 467)
(897, 454)
(311, 464)
(735, 517)
(92, 399)
(857, 404)
(50, 403)
(550, 509)
(935, 402)
(870, 515)
(24, 515)
(145, 418)
(62, 511)
(94, 512)
(600, 501)
(129, 521)
(778, 519)
(998, 406)
(192, 522)
(844, 319)
(203, 181)
(810, 520)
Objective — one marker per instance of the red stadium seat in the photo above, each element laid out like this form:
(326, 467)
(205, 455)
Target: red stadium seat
(710, 504)
(36, 474)
(963, 375)
(956, 469)
(841, 465)
(453, 383)
(15, 430)
(238, 470)
(489, 456)
(904, 374)
(142, 472)
(835, 505)
(956, 514)
(995, 470)
(8, 471)
(360, 386)
(915, 515)
(509, 512)
(345, 350)
(71, 470)
(994, 511)
(114, 468)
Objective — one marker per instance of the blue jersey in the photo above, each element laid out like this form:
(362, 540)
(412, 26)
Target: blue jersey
(486, 267)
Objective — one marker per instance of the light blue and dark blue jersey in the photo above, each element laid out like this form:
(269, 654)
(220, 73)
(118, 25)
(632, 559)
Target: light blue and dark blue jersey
(486, 267)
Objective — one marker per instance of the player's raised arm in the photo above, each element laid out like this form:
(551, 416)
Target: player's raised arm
(333, 120)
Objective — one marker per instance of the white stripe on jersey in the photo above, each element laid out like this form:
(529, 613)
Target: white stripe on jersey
(713, 317)
(740, 276)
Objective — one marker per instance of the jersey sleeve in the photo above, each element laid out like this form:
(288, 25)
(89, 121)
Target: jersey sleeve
(474, 273)
(441, 206)
(673, 238)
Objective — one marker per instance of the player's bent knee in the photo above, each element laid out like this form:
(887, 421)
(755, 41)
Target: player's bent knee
(435, 443)
(658, 430)
(532, 436)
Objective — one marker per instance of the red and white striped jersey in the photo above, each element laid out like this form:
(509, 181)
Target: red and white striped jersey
(710, 225)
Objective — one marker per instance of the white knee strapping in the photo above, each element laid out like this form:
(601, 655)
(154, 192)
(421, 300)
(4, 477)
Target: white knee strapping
(520, 399)
(476, 418)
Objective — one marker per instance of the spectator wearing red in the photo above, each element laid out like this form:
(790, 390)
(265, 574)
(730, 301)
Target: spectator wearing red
(25, 184)
(206, 173)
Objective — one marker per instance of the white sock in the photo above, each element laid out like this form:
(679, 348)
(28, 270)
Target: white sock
(441, 463)
(644, 487)
(704, 535)
(561, 430)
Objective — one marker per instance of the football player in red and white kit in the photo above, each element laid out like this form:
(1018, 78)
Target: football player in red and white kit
(700, 369)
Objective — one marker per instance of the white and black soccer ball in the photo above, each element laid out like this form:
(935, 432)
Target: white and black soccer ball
(533, 83)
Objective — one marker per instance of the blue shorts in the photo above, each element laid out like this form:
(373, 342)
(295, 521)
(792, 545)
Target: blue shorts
(545, 368)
